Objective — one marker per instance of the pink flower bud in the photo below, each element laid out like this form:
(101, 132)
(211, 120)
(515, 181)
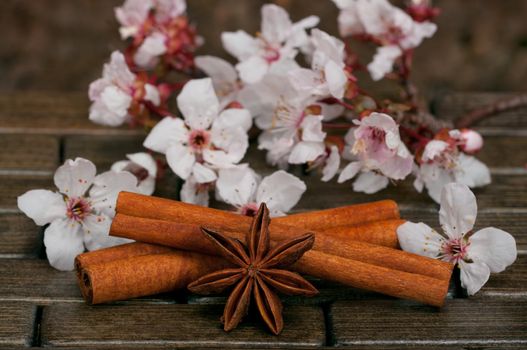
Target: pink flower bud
(472, 141)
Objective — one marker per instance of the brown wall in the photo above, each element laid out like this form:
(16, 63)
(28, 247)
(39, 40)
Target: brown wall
(61, 44)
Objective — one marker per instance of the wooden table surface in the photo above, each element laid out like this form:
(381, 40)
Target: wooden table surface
(41, 307)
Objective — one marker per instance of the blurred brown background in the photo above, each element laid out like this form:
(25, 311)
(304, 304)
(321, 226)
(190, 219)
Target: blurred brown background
(61, 44)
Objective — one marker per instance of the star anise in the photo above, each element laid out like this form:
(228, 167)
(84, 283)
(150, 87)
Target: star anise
(258, 273)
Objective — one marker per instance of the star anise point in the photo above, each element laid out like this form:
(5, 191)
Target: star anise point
(258, 271)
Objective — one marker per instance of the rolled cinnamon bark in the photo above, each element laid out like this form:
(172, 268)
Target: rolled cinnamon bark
(117, 253)
(151, 274)
(134, 204)
(355, 214)
(383, 233)
(187, 236)
(142, 275)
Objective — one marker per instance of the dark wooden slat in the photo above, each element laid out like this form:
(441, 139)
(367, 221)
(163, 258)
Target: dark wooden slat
(57, 113)
(511, 283)
(19, 236)
(463, 322)
(35, 280)
(29, 152)
(504, 151)
(176, 325)
(453, 105)
(505, 191)
(508, 220)
(16, 185)
(16, 323)
(102, 150)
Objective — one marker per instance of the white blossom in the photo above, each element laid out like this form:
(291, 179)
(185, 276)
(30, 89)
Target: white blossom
(477, 254)
(206, 139)
(80, 213)
(242, 188)
(113, 94)
(143, 166)
(276, 43)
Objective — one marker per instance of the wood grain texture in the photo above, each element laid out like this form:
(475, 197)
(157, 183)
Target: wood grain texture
(56, 113)
(505, 191)
(176, 325)
(29, 152)
(16, 323)
(512, 221)
(19, 236)
(462, 322)
(453, 105)
(102, 150)
(16, 185)
(511, 283)
(35, 280)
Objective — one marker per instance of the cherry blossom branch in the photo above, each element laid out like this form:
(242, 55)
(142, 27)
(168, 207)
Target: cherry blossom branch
(478, 114)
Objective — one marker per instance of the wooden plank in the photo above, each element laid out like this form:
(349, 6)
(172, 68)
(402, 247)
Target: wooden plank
(29, 152)
(175, 325)
(510, 220)
(17, 184)
(102, 150)
(453, 105)
(16, 323)
(511, 283)
(504, 150)
(505, 191)
(462, 322)
(56, 113)
(19, 236)
(35, 280)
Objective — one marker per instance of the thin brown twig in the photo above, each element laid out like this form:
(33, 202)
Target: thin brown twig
(490, 110)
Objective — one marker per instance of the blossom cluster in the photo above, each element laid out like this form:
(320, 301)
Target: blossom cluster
(316, 115)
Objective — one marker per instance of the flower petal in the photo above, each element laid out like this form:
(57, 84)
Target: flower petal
(106, 188)
(144, 160)
(304, 152)
(435, 178)
(336, 79)
(276, 24)
(370, 182)
(383, 61)
(234, 117)
(198, 103)
(494, 247)
(253, 69)
(63, 241)
(349, 171)
(192, 193)
(220, 71)
(237, 186)
(312, 129)
(181, 160)
(42, 206)
(168, 131)
(419, 239)
(203, 174)
(75, 177)
(332, 164)
(473, 276)
(281, 191)
(152, 47)
(239, 44)
(471, 172)
(96, 233)
(458, 210)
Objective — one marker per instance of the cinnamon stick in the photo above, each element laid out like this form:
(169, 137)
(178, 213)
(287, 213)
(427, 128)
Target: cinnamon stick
(383, 233)
(343, 216)
(134, 204)
(375, 268)
(142, 275)
(186, 235)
